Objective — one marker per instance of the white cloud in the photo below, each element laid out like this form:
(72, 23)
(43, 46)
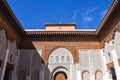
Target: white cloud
(88, 16)
(74, 15)
(62, 20)
(87, 19)
(89, 11)
(102, 14)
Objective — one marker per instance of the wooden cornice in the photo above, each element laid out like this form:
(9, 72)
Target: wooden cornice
(61, 36)
(61, 32)
(6, 12)
(109, 22)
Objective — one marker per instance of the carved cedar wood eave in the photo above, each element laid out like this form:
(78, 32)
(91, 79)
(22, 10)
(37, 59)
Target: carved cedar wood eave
(61, 36)
(108, 25)
(10, 18)
(9, 22)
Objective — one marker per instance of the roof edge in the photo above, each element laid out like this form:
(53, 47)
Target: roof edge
(12, 19)
(106, 16)
(68, 24)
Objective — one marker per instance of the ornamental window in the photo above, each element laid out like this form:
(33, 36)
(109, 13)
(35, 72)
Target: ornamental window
(51, 59)
(57, 58)
(62, 58)
(68, 59)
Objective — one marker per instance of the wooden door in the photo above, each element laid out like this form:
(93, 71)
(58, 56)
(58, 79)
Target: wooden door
(60, 76)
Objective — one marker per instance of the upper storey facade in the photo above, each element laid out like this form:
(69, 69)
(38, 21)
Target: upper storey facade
(59, 32)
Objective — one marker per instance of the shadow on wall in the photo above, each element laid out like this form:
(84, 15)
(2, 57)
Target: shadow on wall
(31, 66)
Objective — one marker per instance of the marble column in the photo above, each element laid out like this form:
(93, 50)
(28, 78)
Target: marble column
(4, 64)
(78, 75)
(106, 73)
(42, 75)
(116, 64)
(71, 72)
(92, 77)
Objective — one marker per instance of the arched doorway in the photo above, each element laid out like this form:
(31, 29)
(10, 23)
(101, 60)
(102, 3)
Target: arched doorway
(59, 62)
(86, 75)
(99, 75)
(60, 76)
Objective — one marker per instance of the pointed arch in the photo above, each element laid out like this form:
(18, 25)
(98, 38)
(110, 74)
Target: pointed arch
(60, 75)
(98, 75)
(86, 75)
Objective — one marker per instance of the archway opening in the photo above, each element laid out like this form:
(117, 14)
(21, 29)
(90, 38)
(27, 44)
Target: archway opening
(60, 76)
(98, 75)
(113, 74)
(86, 75)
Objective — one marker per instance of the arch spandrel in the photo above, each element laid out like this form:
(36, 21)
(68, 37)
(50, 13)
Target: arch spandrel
(49, 49)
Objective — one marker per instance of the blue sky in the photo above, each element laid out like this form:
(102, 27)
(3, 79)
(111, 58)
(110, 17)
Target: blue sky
(33, 14)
